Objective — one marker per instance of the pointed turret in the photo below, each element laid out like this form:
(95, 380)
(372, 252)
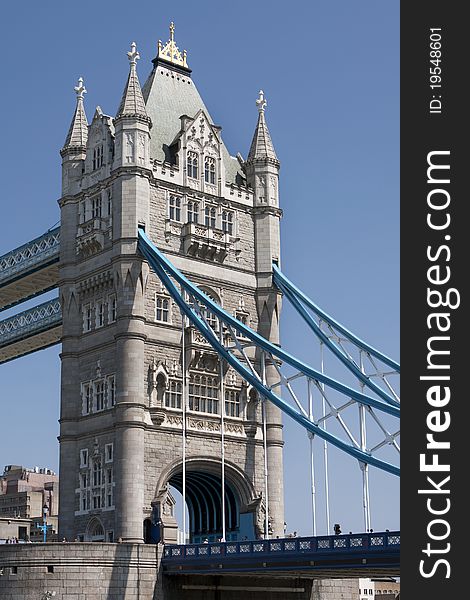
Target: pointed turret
(262, 173)
(262, 145)
(73, 152)
(132, 121)
(132, 102)
(78, 132)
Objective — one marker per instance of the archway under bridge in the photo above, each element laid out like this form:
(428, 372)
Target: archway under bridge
(244, 513)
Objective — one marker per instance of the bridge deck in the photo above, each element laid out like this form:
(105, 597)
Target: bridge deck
(355, 555)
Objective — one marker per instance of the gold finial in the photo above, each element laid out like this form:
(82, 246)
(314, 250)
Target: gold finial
(170, 51)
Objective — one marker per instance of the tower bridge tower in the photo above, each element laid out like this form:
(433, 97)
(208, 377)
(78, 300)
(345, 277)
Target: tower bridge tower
(128, 361)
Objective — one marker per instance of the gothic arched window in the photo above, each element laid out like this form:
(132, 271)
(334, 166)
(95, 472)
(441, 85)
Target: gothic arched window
(173, 394)
(232, 403)
(162, 309)
(227, 221)
(193, 212)
(192, 164)
(98, 157)
(174, 208)
(209, 170)
(203, 393)
(210, 217)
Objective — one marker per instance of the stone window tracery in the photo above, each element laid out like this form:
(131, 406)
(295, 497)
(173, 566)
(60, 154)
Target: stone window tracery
(162, 309)
(173, 394)
(192, 164)
(227, 221)
(98, 157)
(174, 208)
(193, 212)
(209, 170)
(203, 393)
(232, 403)
(210, 217)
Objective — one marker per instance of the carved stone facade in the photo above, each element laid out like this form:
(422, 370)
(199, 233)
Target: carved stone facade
(161, 164)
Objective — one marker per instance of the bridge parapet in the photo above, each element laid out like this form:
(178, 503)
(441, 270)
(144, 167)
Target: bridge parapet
(361, 553)
(352, 542)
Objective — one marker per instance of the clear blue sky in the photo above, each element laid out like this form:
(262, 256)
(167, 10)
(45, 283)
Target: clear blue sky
(330, 72)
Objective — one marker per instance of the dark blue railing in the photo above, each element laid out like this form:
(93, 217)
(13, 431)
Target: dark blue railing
(351, 543)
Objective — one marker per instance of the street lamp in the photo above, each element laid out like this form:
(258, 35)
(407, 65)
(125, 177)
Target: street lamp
(45, 510)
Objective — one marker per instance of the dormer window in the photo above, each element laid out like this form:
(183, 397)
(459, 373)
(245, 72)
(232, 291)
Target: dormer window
(209, 170)
(193, 212)
(98, 157)
(192, 164)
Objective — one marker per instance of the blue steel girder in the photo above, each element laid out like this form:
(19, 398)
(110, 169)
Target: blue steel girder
(234, 352)
(30, 270)
(33, 329)
(340, 340)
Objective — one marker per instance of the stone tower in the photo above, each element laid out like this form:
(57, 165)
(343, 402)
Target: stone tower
(160, 163)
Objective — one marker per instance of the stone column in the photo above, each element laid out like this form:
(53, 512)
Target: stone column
(130, 407)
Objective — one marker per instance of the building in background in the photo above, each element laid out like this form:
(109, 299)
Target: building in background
(383, 588)
(24, 492)
(14, 529)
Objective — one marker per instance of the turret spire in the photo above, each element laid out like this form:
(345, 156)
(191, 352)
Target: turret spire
(262, 146)
(132, 103)
(78, 132)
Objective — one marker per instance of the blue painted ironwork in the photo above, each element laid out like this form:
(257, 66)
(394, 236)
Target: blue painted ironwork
(192, 309)
(30, 322)
(44, 528)
(335, 551)
(35, 254)
(301, 302)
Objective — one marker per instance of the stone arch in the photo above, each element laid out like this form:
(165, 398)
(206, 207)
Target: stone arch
(203, 495)
(94, 531)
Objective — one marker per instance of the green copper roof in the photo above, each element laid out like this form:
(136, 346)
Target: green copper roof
(170, 94)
